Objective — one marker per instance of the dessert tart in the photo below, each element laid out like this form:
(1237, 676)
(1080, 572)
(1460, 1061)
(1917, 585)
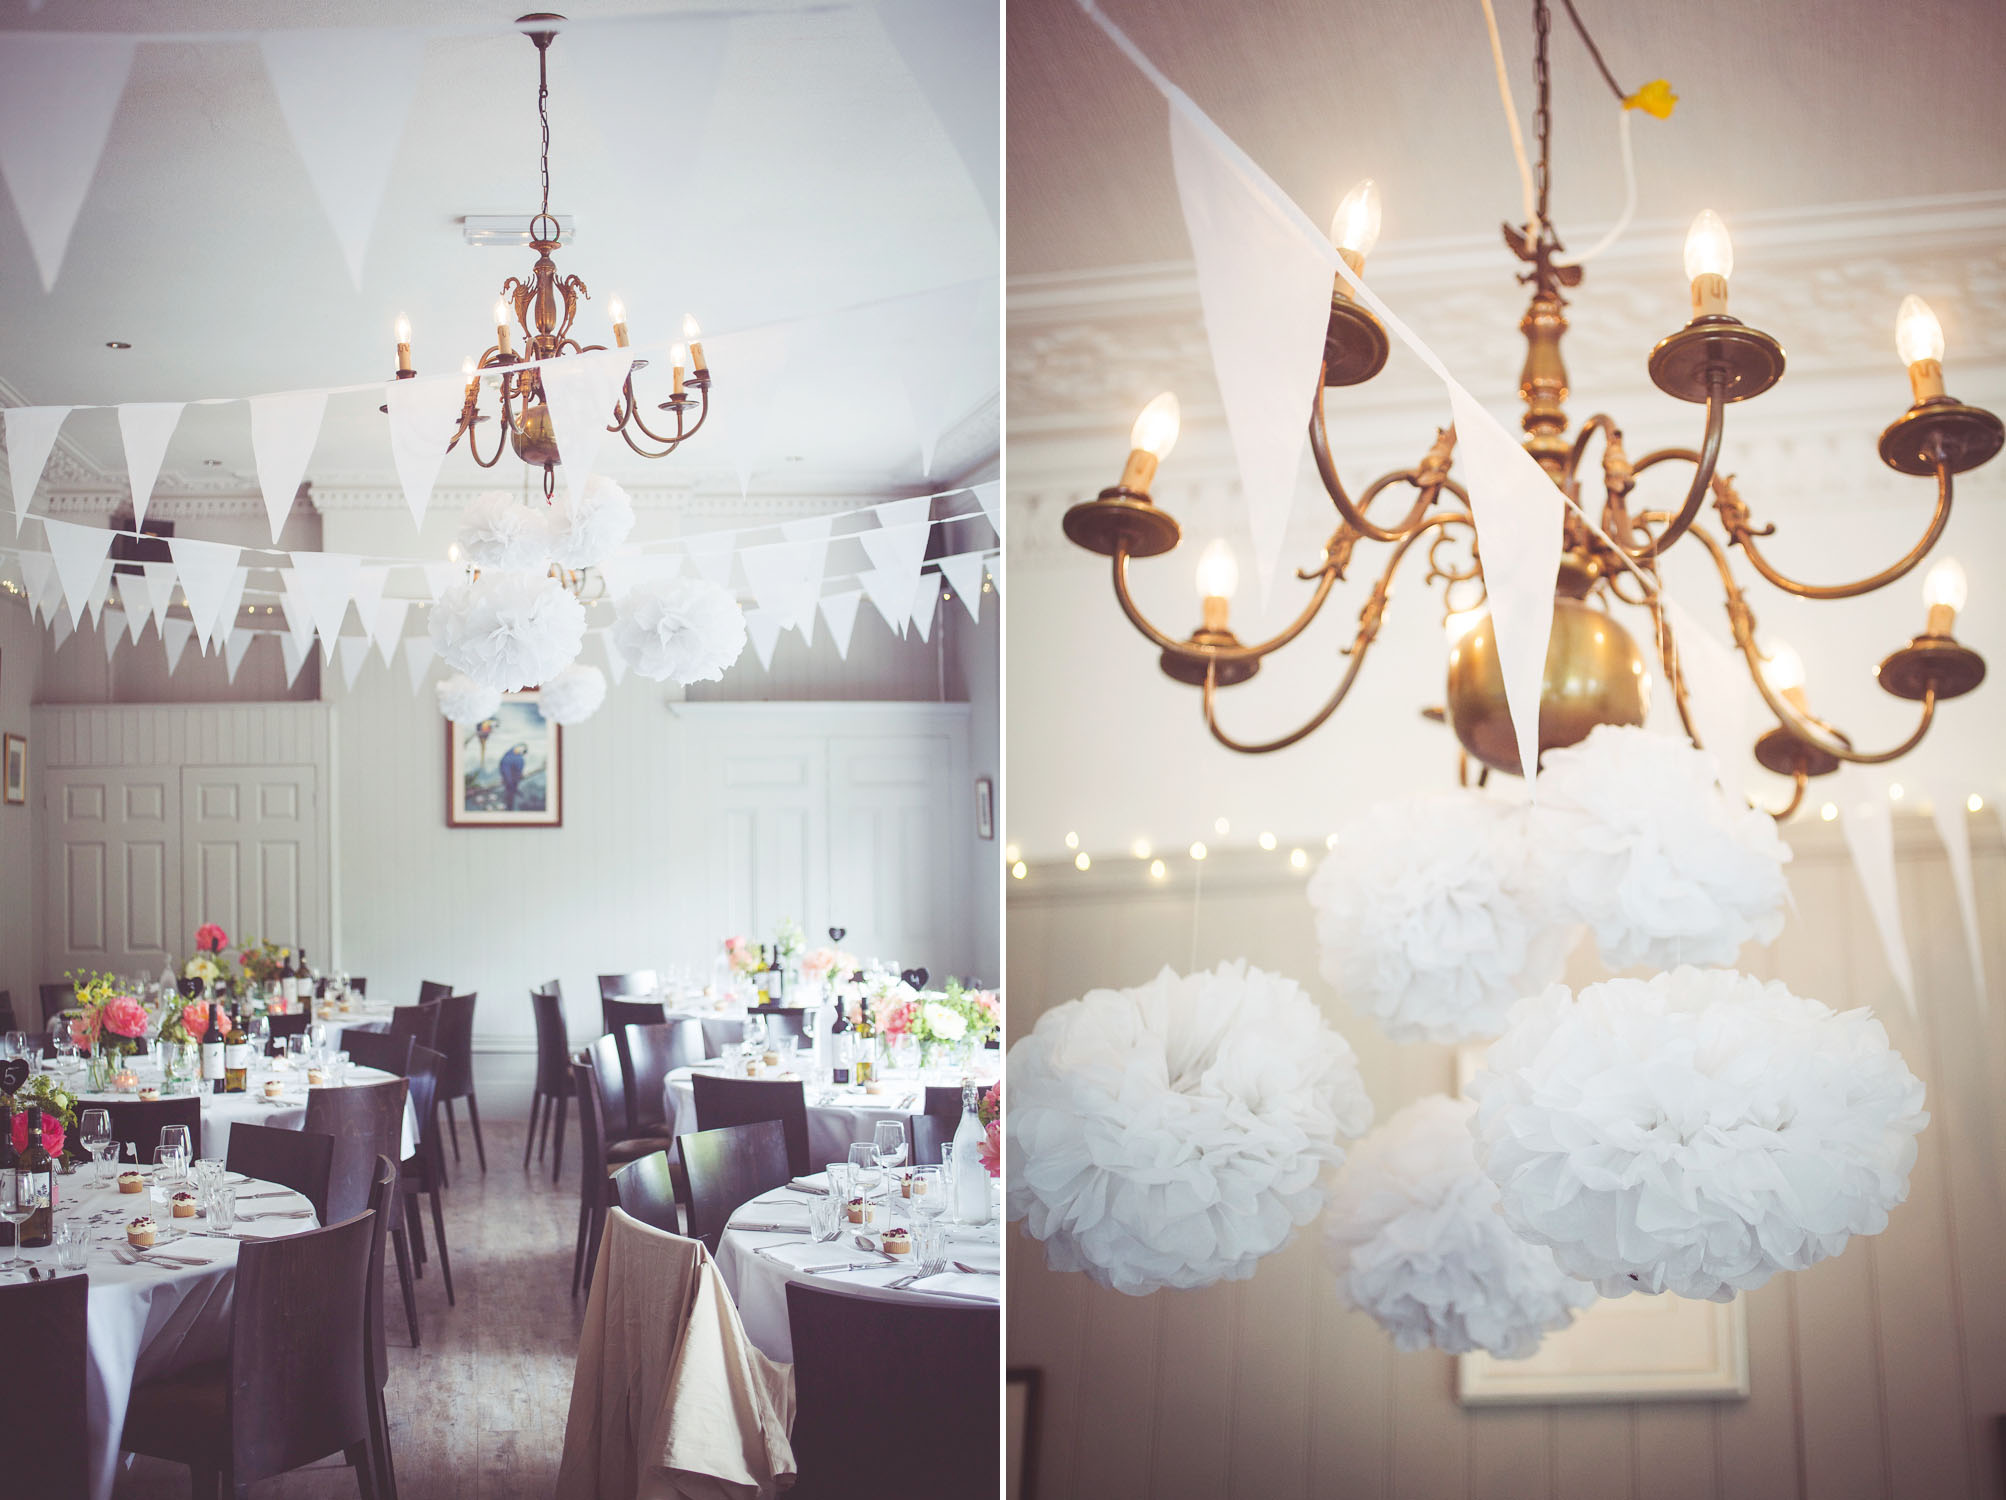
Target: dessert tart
(141, 1231)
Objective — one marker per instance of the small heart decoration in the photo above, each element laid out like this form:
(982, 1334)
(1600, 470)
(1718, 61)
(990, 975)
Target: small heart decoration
(836, 934)
(191, 989)
(914, 977)
(14, 1073)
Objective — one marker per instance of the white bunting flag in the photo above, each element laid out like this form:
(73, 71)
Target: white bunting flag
(326, 582)
(925, 604)
(38, 574)
(31, 433)
(146, 428)
(441, 576)
(710, 552)
(80, 553)
(1948, 812)
(582, 392)
(755, 362)
(206, 571)
(232, 607)
(839, 611)
(58, 94)
(952, 51)
(62, 628)
(368, 593)
(295, 653)
(354, 652)
(896, 549)
(964, 576)
(160, 582)
(1870, 838)
(284, 429)
(418, 653)
(990, 497)
(100, 592)
(298, 613)
(423, 414)
(891, 594)
(386, 625)
(234, 646)
(765, 632)
(786, 578)
(175, 637)
(345, 95)
(109, 635)
(132, 599)
(616, 664)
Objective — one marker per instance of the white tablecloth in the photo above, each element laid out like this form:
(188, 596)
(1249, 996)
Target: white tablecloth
(288, 1111)
(836, 1117)
(758, 1281)
(148, 1321)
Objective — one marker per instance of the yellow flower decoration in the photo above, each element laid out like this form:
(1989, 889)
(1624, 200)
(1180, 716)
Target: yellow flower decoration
(1655, 99)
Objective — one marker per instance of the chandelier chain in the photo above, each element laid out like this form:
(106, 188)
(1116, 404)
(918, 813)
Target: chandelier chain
(1542, 21)
(543, 115)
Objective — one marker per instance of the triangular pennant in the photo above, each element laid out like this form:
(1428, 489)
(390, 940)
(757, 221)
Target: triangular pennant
(38, 575)
(206, 571)
(418, 654)
(616, 664)
(62, 628)
(765, 632)
(952, 52)
(234, 647)
(58, 94)
(755, 362)
(326, 582)
(175, 637)
(386, 625)
(231, 607)
(441, 576)
(786, 579)
(964, 576)
(369, 585)
(354, 652)
(147, 427)
(1947, 810)
(582, 392)
(80, 553)
(132, 598)
(990, 497)
(891, 594)
(110, 635)
(925, 604)
(295, 652)
(1870, 838)
(298, 613)
(423, 414)
(840, 611)
(711, 552)
(345, 95)
(284, 429)
(896, 549)
(160, 582)
(31, 432)
(100, 592)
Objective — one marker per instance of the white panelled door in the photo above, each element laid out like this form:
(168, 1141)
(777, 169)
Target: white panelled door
(251, 856)
(772, 835)
(895, 871)
(112, 894)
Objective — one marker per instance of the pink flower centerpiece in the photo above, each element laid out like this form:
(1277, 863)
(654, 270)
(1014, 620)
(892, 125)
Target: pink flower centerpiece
(52, 1131)
(209, 938)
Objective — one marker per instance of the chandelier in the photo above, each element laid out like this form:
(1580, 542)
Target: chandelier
(543, 307)
(1594, 671)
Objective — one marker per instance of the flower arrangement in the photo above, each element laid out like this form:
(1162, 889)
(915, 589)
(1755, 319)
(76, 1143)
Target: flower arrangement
(740, 955)
(820, 963)
(190, 1023)
(105, 1020)
(979, 1011)
(888, 1007)
(261, 962)
(209, 938)
(787, 939)
(990, 1112)
(59, 1113)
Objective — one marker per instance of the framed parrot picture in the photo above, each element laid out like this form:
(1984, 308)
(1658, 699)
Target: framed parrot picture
(507, 771)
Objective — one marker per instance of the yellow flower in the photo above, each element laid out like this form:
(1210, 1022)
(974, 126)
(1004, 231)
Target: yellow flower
(1654, 99)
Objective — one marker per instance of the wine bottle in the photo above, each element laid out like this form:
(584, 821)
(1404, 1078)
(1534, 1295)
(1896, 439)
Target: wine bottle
(212, 1053)
(236, 1056)
(8, 1164)
(971, 1178)
(288, 981)
(37, 1173)
(303, 981)
(841, 1047)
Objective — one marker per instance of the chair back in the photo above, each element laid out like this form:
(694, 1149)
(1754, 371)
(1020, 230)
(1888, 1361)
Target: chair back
(617, 1016)
(359, 985)
(640, 982)
(591, 1130)
(285, 1026)
(426, 1067)
(366, 1121)
(138, 1124)
(781, 1019)
(382, 1203)
(553, 1042)
(732, 1166)
(430, 990)
(419, 1022)
(456, 1043)
(947, 1359)
(656, 1052)
(55, 998)
(42, 1386)
(721, 1032)
(927, 1135)
(302, 1160)
(378, 1049)
(611, 1079)
(646, 1189)
(944, 1105)
(297, 1340)
(742, 1101)
(7, 1012)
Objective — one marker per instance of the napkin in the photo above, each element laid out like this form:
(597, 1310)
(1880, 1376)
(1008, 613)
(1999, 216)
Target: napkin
(843, 1251)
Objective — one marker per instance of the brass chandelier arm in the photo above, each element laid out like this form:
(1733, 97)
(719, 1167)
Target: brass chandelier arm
(1706, 459)
(1337, 697)
(1668, 651)
(1734, 515)
(1430, 479)
(1325, 580)
(1782, 814)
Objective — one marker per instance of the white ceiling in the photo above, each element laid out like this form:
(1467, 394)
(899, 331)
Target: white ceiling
(822, 180)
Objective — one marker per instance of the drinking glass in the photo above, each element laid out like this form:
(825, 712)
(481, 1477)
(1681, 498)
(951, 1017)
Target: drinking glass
(947, 1168)
(296, 1048)
(317, 1032)
(72, 1239)
(175, 1138)
(863, 1169)
(929, 1245)
(17, 1205)
(837, 1175)
(222, 1205)
(825, 1216)
(928, 1192)
(788, 1047)
(95, 1134)
(888, 1143)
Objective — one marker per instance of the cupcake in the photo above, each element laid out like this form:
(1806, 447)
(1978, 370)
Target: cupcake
(770, 1059)
(149, 1095)
(905, 1185)
(273, 1088)
(131, 1182)
(316, 1078)
(141, 1232)
(898, 1242)
(874, 1087)
(854, 1209)
(184, 1205)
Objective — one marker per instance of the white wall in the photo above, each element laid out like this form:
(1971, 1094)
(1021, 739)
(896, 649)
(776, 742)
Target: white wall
(20, 826)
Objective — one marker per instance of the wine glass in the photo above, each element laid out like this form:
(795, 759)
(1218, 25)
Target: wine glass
(174, 1139)
(888, 1144)
(17, 1206)
(95, 1134)
(863, 1168)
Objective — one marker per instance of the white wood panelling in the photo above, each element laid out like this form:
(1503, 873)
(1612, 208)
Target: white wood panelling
(252, 855)
(1879, 1373)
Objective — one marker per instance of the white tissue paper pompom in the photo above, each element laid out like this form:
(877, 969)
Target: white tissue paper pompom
(586, 534)
(1428, 920)
(465, 701)
(1632, 835)
(1175, 1133)
(508, 631)
(1695, 1132)
(1420, 1248)
(573, 695)
(499, 531)
(679, 629)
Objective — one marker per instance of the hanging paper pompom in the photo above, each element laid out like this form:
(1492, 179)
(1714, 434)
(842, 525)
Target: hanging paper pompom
(585, 534)
(1427, 919)
(1632, 835)
(499, 531)
(1420, 1248)
(1175, 1133)
(465, 701)
(573, 695)
(679, 630)
(1695, 1132)
(508, 631)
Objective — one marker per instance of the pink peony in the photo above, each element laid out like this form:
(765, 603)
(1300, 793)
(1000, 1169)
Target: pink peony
(991, 1149)
(195, 1018)
(124, 1016)
(52, 1132)
(84, 1029)
(210, 938)
(817, 962)
(898, 1017)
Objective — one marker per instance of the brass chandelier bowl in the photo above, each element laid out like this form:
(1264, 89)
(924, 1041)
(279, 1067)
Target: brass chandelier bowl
(1595, 672)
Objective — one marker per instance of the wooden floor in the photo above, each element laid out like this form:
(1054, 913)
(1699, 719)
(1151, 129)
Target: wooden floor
(478, 1412)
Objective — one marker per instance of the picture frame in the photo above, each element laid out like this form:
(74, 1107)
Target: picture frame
(508, 770)
(15, 756)
(985, 807)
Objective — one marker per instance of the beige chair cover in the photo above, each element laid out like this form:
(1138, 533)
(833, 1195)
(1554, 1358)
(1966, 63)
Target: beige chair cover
(670, 1399)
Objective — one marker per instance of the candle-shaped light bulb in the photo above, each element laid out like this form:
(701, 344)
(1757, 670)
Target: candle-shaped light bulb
(1944, 592)
(1460, 623)
(1218, 571)
(1354, 228)
(693, 336)
(1783, 670)
(619, 311)
(502, 337)
(1709, 262)
(678, 358)
(403, 342)
(1150, 441)
(1919, 341)
(467, 369)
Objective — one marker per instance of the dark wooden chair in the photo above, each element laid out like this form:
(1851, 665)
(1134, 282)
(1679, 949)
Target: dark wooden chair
(646, 1189)
(656, 1052)
(947, 1358)
(639, 982)
(419, 1022)
(430, 990)
(721, 1032)
(379, 1050)
(302, 1160)
(366, 1121)
(285, 1026)
(616, 1016)
(7, 1012)
(376, 1345)
(359, 984)
(423, 1168)
(55, 999)
(594, 1186)
(295, 1385)
(553, 1073)
(137, 1125)
(42, 1386)
(744, 1101)
(781, 1019)
(926, 1135)
(456, 1073)
(729, 1167)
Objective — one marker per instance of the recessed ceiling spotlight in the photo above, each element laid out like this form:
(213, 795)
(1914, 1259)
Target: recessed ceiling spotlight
(795, 458)
(116, 344)
(212, 463)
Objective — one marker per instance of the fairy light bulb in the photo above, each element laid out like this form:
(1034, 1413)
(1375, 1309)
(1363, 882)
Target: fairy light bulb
(1150, 442)
(1783, 670)
(1354, 228)
(1218, 571)
(1919, 341)
(1944, 592)
(1709, 262)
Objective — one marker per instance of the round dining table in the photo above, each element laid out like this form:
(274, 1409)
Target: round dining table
(768, 1243)
(836, 1116)
(148, 1315)
(221, 1111)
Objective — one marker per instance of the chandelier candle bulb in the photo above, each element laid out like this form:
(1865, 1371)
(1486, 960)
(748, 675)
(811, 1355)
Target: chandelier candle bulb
(1783, 670)
(404, 345)
(1944, 592)
(619, 311)
(678, 357)
(693, 336)
(1354, 229)
(1709, 262)
(1919, 341)
(502, 338)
